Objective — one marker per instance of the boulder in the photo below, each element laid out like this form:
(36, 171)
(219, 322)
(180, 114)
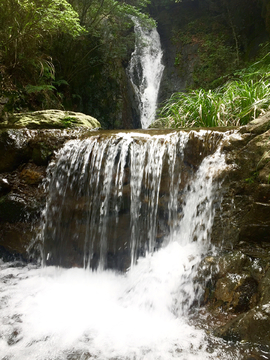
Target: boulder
(252, 326)
(50, 119)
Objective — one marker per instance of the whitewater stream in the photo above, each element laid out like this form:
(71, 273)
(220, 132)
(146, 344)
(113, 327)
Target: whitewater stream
(145, 312)
(145, 71)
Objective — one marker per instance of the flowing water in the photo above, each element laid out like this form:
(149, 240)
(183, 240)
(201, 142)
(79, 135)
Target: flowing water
(145, 71)
(142, 313)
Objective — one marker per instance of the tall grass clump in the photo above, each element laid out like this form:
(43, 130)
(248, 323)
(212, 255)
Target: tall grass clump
(238, 101)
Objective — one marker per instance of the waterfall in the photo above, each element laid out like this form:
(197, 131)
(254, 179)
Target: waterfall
(115, 198)
(145, 71)
(138, 202)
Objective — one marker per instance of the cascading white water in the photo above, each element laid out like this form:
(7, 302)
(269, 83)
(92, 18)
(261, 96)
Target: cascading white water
(86, 207)
(147, 160)
(145, 71)
(71, 314)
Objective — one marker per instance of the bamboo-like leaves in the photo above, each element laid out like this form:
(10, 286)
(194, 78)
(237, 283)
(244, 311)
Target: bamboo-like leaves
(235, 103)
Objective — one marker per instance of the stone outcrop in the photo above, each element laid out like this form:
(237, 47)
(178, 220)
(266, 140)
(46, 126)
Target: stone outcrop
(239, 284)
(49, 119)
(25, 151)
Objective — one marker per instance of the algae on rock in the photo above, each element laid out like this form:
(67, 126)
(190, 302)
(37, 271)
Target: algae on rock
(50, 119)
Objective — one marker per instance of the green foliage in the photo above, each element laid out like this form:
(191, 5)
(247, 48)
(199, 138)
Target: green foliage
(215, 58)
(237, 102)
(24, 25)
(204, 45)
(93, 64)
(214, 38)
(96, 14)
(68, 121)
(193, 109)
(252, 179)
(26, 32)
(71, 53)
(38, 88)
(259, 70)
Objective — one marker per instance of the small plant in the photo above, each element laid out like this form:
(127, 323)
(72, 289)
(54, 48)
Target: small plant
(252, 179)
(39, 88)
(68, 121)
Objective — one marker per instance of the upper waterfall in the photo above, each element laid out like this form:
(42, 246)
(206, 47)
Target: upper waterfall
(145, 71)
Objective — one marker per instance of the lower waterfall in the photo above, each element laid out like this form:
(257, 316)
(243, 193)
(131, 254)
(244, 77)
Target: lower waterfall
(138, 209)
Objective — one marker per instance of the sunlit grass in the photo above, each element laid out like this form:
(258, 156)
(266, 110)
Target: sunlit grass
(239, 101)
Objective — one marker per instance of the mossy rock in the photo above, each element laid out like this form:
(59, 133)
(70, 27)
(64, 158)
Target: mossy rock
(50, 119)
(159, 124)
(258, 125)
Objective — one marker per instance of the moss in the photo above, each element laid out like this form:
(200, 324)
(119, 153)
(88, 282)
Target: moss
(253, 178)
(31, 177)
(52, 119)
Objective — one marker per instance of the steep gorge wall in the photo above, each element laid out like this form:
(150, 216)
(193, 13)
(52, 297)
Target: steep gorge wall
(203, 41)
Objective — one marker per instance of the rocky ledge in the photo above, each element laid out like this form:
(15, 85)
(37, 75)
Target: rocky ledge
(237, 280)
(28, 142)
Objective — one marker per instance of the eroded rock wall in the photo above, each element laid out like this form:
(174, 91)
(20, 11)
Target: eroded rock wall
(239, 285)
(25, 151)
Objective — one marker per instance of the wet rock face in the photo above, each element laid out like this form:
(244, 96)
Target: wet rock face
(239, 293)
(240, 281)
(22, 145)
(245, 212)
(236, 292)
(24, 156)
(20, 207)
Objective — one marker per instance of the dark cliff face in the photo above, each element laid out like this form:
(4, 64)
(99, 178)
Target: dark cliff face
(206, 40)
(178, 63)
(24, 157)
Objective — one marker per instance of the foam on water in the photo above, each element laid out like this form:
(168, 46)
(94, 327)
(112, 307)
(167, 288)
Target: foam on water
(54, 313)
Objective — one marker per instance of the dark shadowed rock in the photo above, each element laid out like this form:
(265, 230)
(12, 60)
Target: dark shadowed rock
(240, 284)
(24, 156)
